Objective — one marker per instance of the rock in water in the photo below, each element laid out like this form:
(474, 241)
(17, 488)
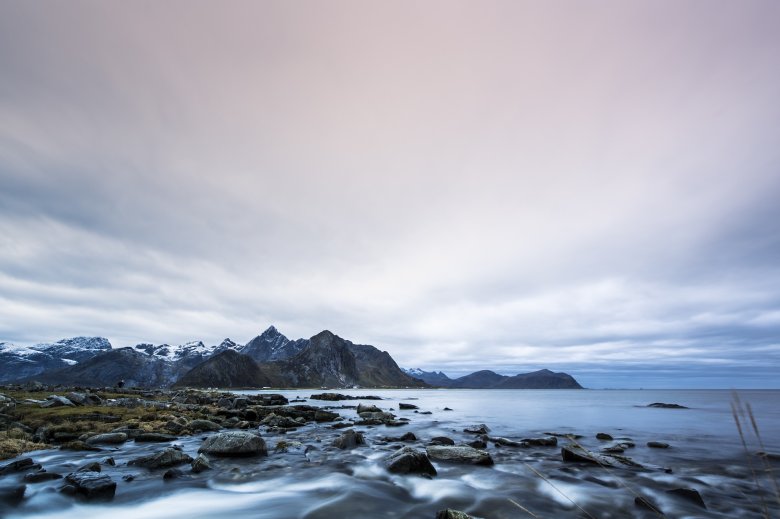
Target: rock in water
(12, 496)
(92, 485)
(402, 406)
(166, 458)
(459, 454)
(576, 454)
(449, 513)
(476, 429)
(113, 438)
(203, 425)
(349, 440)
(200, 464)
(666, 406)
(154, 437)
(604, 436)
(689, 494)
(234, 443)
(643, 502)
(408, 460)
(658, 445)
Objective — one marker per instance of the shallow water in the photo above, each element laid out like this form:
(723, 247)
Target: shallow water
(318, 481)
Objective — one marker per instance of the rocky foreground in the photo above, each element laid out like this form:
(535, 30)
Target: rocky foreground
(120, 442)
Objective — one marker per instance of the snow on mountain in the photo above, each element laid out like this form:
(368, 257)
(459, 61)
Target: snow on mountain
(192, 349)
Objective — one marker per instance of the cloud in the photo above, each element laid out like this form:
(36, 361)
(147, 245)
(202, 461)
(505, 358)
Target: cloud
(468, 188)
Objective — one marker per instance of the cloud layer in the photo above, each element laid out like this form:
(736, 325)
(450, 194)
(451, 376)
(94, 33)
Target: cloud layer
(506, 185)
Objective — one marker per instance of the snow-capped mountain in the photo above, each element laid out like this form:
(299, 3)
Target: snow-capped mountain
(434, 378)
(272, 345)
(189, 350)
(26, 361)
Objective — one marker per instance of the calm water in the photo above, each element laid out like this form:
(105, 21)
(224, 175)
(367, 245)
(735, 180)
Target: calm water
(321, 482)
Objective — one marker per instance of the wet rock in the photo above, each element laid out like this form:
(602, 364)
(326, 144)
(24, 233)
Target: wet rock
(78, 445)
(24, 464)
(200, 464)
(646, 504)
(154, 437)
(283, 422)
(325, 416)
(688, 494)
(92, 485)
(362, 408)
(571, 453)
(613, 449)
(441, 440)
(506, 442)
(110, 462)
(477, 429)
(425, 412)
(128, 477)
(477, 444)
(666, 406)
(234, 443)
(12, 495)
(570, 436)
(203, 425)
(604, 436)
(403, 406)
(85, 399)
(169, 457)
(449, 513)
(459, 454)
(57, 401)
(172, 474)
(446, 409)
(407, 437)
(658, 445)
(349, 440)
(408, 460)
(549, 441)
(90, 467)
(109, 438)
(40, 477)
(334, 397)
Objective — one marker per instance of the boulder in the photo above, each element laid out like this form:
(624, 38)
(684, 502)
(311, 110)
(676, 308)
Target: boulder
(169, 457)
(646, 504)
(24, 464)
(92, 485)
(349, 440)
(234, 443)
(571, 453)
(658, 445)
(12, 495)
(203, 425)
(407, 437)
(40, 477)
(459, 454)
(506, 442)
(93, 466)
(477, 444)
(441, 440)
(403, 406)
(549, 441)
(172, 474)
(662, 405)
(449, 513)
(200, 464)
(408, 460)
(476, 429)
(57, 401)
(688, 494)
(604, 436)
(111, 438)
(325, 416)
(362, 408)
(154, 437)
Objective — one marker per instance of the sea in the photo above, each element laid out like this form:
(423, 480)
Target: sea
(725, 445)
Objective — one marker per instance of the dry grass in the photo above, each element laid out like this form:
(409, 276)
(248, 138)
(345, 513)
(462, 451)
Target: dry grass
(15, 442)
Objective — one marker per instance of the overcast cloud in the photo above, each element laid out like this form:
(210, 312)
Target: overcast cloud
(589, 187)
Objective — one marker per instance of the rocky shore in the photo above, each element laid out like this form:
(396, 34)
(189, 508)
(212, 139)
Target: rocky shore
(116, 445)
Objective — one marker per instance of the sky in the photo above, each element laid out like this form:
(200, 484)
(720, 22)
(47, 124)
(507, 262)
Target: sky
(589, 187)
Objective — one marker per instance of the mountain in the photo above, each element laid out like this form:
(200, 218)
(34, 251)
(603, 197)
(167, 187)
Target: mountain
(22, 361)
(228, 369)
(542, 379)
(434, 378)
(484, 379)
(272, 345)
(134, 367)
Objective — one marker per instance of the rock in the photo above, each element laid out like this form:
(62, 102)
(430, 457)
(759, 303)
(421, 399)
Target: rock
(12, 495)
(234, 443)
(645, 503)
(550, 441)
(92, 486)
(325, 416)
(111, 438)
(19, 465)
(57, 401)
(40, 477)
(446, 409)
(169, 457)
(203, 425)
(128, 477)
(283, 422)
(110, 462)
(402, 406)
(658, 445)
(409, 461)
(200, 464)
(449, 513)
(441, 440)
(78, 445)
(349, 439)
(90, 467)
(604, 436)
(505, 442)
(407, 437)
(666, 406)
(361, 408)
(576, 454)
(689, 494)
(333, 397)
(459, 454)
(476, 429)
(477, 444)
(155, 437)
(172, 474)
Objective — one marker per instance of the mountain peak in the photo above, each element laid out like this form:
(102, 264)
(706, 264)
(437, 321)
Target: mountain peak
(270, 331)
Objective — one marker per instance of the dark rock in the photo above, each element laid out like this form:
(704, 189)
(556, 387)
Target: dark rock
(234, 443)
(128, 477)
(550, 441)
(78, 445)
(335, 397)
(658, 445)
(172, 474)
(90, 467)
(477, 429)
(477, 444)
(110, 462)
(203, 425)
(459, 454)
(109, 438)
(169, 457)
(643, 502)
(409, 461)
(667, 406)
(506, 442)
(12, 495)
(604, 436)
(39, 477)
(57, 401)
(407, 406)
(200, 464)
(441, 440)
(446, 409)
(449, 513)
(92, 486)
(689, 494)
(325, 416)
(19, 465)
(571, 453)
(155, 437)
(362, 408)
(407, 437)
(349, 440)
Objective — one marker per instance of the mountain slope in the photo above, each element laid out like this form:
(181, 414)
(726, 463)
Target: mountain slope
(434, 378)
(484, 379)
(271, 345)
(542, 379)
(21, 361)
(228, 369)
